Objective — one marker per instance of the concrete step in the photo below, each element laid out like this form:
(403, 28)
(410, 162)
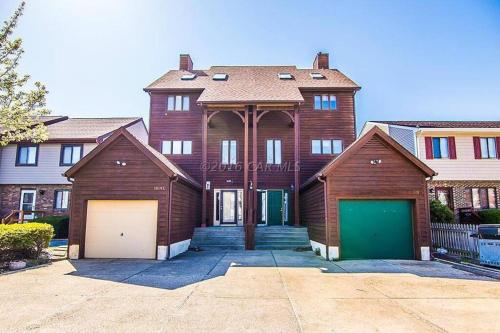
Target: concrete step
(219, 238)
(281, 238)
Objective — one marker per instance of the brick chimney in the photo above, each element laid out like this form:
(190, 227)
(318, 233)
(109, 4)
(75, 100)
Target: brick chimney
(321, 61)
(185, 62)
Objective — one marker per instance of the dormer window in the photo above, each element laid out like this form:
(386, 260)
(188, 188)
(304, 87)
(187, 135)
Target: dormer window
(317, 76)
(285, 76)
(220, 77)
(187, 77)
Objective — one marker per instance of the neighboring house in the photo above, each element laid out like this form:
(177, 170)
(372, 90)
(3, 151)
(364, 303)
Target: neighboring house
(31, 174)
(252, 137)
(465, 154)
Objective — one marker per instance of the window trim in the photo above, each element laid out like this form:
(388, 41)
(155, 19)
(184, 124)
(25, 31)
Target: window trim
(274, 151)
(27, 145)
(172, 147)
(54, 206)
(440, 152)
(321, 102)
(488, 148)
(228, 151)
(61, 154)
(182, 97)
(321, 147)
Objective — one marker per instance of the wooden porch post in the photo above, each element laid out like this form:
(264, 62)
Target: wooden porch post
(255, 165)
(245, 169)
(297, 165)
(204, 167)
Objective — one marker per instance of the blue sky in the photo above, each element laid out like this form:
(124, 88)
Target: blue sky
(414, 59)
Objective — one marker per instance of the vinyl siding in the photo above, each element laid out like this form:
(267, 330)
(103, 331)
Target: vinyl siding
(405, 137)
(48, 170)
(139, 131)
(465, 167)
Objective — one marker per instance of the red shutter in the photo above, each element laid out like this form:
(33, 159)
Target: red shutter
(477, 147)
(452, 148)
(428, 148)
(498, 147)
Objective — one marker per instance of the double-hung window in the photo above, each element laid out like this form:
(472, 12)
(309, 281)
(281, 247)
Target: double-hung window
(273, 154)
(482, 198)
(228, 153)
(70, 154)
(440, 148)
(178, 103)
(61, 199)
(27, 155)
(177, 147)
(488, 148)
(325, 102)
(326, 147)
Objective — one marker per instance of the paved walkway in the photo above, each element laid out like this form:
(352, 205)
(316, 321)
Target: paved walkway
(254, 291)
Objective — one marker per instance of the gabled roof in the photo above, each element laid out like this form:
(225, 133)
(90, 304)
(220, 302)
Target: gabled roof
(252, 83)
(442, 124)
(167, 166)
(359, 143)
(88, 128)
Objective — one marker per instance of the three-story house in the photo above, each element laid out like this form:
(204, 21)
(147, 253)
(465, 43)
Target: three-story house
(236, 126)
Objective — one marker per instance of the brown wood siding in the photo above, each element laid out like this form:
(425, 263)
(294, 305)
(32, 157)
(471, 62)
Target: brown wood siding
(186, 212)
(275, 125)
(103, 179)
(395, 178)
(177, 125)
(322, 124)
(187, 125)
(312, 212)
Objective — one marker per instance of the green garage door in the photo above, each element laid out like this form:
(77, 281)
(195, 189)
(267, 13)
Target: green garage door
(376, 229)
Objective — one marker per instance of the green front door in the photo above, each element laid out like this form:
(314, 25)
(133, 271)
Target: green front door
(274, 207)
(376, 229)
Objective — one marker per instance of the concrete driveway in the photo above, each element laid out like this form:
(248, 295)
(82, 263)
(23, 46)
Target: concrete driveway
(255, 291)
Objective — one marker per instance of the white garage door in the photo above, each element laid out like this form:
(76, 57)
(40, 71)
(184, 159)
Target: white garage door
(121, 229)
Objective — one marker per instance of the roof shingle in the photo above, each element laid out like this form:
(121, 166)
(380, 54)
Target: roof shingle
(252, 83)
(87, 128)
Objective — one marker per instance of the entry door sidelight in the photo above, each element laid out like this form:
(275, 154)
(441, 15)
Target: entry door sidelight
(228, 207)
(28, 202)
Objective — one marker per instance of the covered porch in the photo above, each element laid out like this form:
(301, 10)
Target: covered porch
(266, 195)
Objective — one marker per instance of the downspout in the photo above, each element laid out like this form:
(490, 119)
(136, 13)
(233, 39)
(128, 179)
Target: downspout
(321, 179)
(173, 180)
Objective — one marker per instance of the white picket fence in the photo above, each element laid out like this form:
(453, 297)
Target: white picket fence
(456, 239)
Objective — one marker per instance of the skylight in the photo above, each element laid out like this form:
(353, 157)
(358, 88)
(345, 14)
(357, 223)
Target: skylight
(220, 77)
(317, 75)
(285, 76)
(188, 76)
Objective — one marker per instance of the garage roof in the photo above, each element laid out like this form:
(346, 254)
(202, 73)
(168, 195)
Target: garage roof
(359, 143)
(170, 168)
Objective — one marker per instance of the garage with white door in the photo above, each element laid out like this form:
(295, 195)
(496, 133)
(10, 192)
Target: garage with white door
(121, 229)
(130, 202)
